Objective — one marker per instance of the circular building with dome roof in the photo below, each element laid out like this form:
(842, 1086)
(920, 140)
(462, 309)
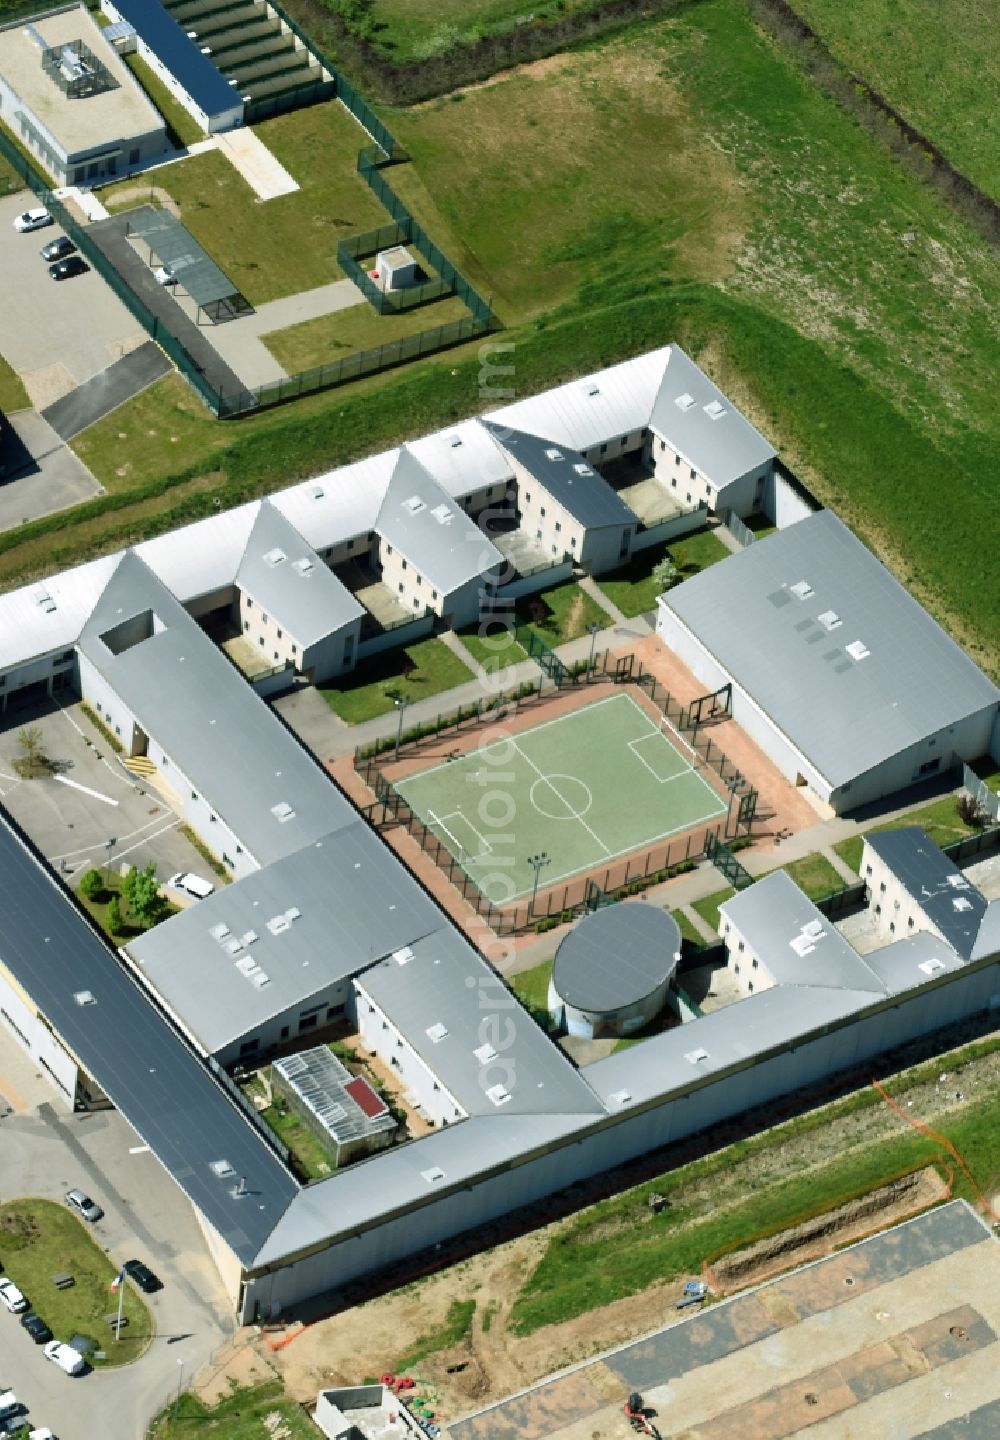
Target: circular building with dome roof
(612, 972)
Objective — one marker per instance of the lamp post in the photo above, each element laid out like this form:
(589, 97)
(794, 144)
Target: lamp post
(400, 705)
(538, 863)
(593, 644)
(180, 1383)
(109, 845)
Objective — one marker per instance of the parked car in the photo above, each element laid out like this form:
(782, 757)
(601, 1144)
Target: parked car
(12, 1297)
(143, 1276)
(32, 220)
(9, 1404)
(58, 248)
(65, 1357)
(66, 269)
(163, 275)
(191, 885)
(44, 1434)
(83, 1205)
(36, 1327)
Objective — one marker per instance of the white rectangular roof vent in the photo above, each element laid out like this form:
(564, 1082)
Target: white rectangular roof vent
(274, 557)
(219, 932)
(317, 492)
(249, 937)
(278, 924)
(46, 601)
(685, 401)
(592, 387)
(442, 514)
(434, 1175)
(293, 912)
(961, 903)
(85, 997)
(437, 1032)
(814, 929)
(260, 979)
(858, 650)
(247, 966)
(553, 454)
(222, 1168)
(414, 505)
(801, 589)
(957, 882)
(305, 566)
(929, 966)
(403, 956)
(693, 1057)
(714, 409)
(232, 946)
(620, 1098)
(454, 441)
(485, 1054)
(283, 812)
(830, 620)
(583, 469)
(499, 1094)
(803, 945)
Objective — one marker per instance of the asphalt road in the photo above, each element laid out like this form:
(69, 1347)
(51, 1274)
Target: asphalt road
(103, 393)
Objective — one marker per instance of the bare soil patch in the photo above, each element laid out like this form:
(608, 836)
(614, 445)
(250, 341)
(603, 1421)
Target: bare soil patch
(824, 1233)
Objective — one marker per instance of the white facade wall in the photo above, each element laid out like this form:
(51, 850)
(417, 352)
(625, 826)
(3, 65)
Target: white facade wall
(895, 911)
(408, 584)
(19, 1018)
(620, 1138)
(684, 481)
(423, 1089)
(934, 755)
(363, 547)
(745, 495)
(107, 703)
(545, 521)
(476, 501)
(743, 962)
(668, 530)
(335, 654)
(782, 504)
(267, 634)
(328, 1005)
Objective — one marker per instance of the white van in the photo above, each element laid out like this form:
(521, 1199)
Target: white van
(65, 1357)
(191, 885)
(9, 1404)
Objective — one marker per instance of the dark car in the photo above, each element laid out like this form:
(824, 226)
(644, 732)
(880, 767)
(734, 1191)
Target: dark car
(36, 1327)
(57, 249)
(143, 1276)
(66, 269)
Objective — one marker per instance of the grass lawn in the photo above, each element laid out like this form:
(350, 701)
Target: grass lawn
(814, 875)
(309, 1159)
(457, 1325)
(13, 395)
(290, 243)
(532, 989)
(688, 932)
(939, 65)
(494, 650)
(182, 129)
(331, 337)
(633, 588)
(562, 614)
(760, 525)
(39, 1239)
(850, 851)
(988, 771)
(708, 906)
(370, 690)
(244, 1415)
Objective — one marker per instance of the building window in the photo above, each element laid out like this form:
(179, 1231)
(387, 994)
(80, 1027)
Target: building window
(275, 654)
(194, 794)
(400, 587)
(226, 861)
(663, 446)
(673, 482)
(750, 986)
(878, 909)
(527, 498)
(249, 1046)
(677, 459)
(694, 473)
(388, 549)
(260, 641)
(403, 566)
(868, 869)
(249, 602)
(279, 634)
(572, 542)
(558, 526)
(419, 582)
(246, 624)
(881, 888)
(753, 963)
(434, 594)
(263, 618)
(133, 156)
(736, 968)
(542, 512)
(892, 927)
(604, 448)
(308, 1022)
(284, 1032)
(295, 649)
(909, 923)
(741, 947)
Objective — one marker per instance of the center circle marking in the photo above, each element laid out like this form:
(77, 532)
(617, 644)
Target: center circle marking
(561, 790)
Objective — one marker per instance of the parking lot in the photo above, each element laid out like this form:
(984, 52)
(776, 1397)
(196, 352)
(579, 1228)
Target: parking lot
(92, 812)
(45, 1152)
(55, 335)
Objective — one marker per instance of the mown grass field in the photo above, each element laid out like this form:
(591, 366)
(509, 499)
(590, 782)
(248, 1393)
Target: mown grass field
(937, 64)
(331, 337)
(419, 671)
(247, 1414)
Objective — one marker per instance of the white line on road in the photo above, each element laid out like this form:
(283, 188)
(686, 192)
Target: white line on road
(103, 844)
(94, 794)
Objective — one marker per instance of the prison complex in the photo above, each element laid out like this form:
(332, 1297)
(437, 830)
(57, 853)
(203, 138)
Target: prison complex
(322, 921)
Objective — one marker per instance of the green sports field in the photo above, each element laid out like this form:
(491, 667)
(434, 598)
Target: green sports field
(582, 790)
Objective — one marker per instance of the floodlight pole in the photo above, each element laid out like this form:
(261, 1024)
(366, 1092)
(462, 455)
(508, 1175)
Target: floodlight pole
(400, 706)
(593, 645)
(109, 846)
(538, 863)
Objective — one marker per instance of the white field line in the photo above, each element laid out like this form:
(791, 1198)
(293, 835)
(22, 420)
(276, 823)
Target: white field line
(579, 818)
(102, 844)
(662, 779)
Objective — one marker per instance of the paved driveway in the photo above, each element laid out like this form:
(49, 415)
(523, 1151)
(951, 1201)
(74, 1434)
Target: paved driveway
(41, 474)
(55, 335)
(45, 1151)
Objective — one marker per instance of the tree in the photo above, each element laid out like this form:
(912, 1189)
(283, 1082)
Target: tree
(91, 884)
(32, 761)
(665, 572)
(141, 893)
(971, 810)
(114, 917)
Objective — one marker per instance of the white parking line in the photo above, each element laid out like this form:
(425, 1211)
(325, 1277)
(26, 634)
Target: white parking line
(103, 844)
(94, 794)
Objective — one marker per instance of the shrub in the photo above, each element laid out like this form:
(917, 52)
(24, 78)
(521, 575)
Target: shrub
(114, 916)
(91, 884)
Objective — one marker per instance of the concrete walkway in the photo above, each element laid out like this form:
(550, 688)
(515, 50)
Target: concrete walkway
(239, 341)
(590, 587)
(262, 171)
(456, 647)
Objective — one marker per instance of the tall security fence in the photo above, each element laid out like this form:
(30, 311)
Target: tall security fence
(987, 800)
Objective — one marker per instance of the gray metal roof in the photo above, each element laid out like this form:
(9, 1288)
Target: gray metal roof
(181, 55)
(288, 580)
(445, 986)
(796, 943)
(779, 617)
(912, 961)
(147, 1071)
(463, 458)
(214, 729)
(201, 558)
(177, 249)
(703, 426)
(566, 476)
(353, 903)
(421, 520)
(946, 896)
(617, 956)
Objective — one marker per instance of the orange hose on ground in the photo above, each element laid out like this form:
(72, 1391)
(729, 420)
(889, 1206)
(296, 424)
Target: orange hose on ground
(941, 1140)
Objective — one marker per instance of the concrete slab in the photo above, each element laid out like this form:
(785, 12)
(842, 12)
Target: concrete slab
(96, 397)
(262, 171)
(79, 324)
(240, 341)
(42, 475)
